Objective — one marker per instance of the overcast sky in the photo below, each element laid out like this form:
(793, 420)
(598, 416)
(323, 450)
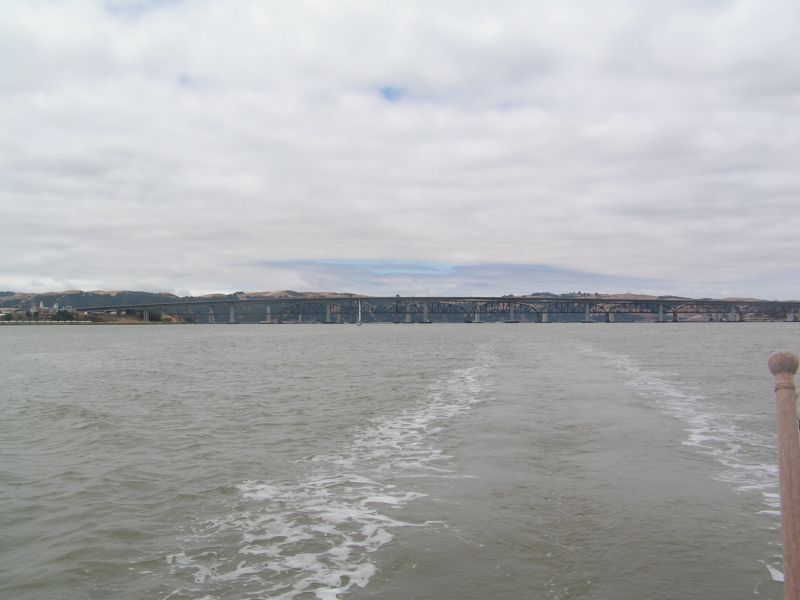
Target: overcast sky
(408, 147)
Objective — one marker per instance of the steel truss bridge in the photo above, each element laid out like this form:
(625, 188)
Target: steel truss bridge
(412, 309)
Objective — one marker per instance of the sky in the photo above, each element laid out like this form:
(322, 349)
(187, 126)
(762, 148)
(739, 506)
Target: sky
(413, 148)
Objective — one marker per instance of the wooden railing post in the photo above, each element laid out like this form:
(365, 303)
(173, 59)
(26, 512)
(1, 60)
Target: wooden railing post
(783, 366)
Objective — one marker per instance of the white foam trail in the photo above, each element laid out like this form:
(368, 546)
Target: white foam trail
(776, 574)
(316, 535)
(711, 430)
(714, 432)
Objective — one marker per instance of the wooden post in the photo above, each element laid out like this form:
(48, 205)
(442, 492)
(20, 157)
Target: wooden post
(783, 366)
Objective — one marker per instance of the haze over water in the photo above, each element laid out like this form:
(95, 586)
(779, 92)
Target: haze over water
(559, 461)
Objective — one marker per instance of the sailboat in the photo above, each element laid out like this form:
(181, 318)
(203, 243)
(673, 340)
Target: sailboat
(358, 320)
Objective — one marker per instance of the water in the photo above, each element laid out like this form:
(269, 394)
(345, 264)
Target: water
(390, 461)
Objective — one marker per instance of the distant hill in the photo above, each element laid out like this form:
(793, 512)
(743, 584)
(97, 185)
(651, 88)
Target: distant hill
(78, 298)
(293, 294)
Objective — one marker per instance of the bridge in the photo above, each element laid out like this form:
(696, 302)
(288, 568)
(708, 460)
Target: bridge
(468, 309)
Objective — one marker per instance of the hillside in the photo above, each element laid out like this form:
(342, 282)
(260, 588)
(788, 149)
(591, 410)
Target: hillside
(79, 298)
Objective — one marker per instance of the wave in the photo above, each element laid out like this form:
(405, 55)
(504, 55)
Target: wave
(747, 458)
(315, 535)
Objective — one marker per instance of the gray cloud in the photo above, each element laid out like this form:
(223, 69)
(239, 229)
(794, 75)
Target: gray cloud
(207, 145)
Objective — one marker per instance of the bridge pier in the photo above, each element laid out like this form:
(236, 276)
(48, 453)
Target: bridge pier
(269, 314)
(674, 316)
(790, 316)
(425, 318)
(408, 314)
(231, 313)
(587, 313)
(211, 315)
(734, 315)
(610, 317)
(327, 313)
(660, 313)
(545, 315)
(512, 317)
(146, 314)
(477, 318)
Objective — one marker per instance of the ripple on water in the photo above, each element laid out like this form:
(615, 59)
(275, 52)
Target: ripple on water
(747, 457)
(315, 535)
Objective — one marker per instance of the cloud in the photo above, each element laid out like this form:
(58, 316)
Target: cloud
(167, 144)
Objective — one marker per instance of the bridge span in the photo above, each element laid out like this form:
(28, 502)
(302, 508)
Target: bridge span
(468, 309)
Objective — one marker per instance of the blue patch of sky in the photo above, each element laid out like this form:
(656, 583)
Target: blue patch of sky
(135, 8)
(378, 267)
(392, 93)
(408, 277)
(184, 80)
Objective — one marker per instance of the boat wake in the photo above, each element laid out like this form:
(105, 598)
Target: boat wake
(747, 458)
(314, 537)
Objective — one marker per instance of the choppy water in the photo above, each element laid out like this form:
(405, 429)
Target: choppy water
(602, 461)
